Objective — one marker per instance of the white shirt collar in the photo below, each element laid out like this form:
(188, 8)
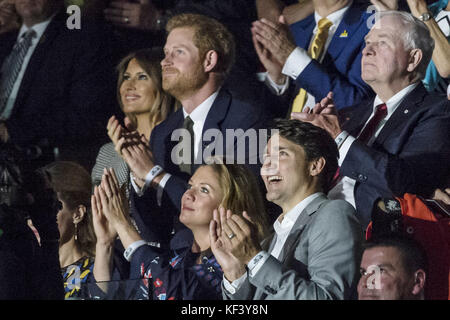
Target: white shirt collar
(335, 17)
(201, 111)
(395, 100)
(291, 217)
(39, 28)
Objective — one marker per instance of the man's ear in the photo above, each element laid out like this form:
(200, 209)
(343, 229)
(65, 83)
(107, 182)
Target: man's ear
(415, 56)
(210, 62)
(419, 282)
(79, 213)
(316, 166)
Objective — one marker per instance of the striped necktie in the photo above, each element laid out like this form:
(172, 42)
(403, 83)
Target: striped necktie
(315, 51)
(12, 66)
(188, 124)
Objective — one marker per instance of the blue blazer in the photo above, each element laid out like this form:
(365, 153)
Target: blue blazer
(340, 70)
(227, 112)
(411, 153)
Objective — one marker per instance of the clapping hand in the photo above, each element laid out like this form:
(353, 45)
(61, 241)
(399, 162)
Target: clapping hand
(231, 266)
(323, 115)
(273, 44)
(110, 202)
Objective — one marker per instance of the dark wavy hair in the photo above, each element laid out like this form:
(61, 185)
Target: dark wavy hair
(315, 141)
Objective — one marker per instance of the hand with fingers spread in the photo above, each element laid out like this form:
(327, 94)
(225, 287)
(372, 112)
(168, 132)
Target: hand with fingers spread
(323, 115)
(140, 15)
(138, 156)
(276, 39)
(325, 106)
(231, 266)
(240, 236)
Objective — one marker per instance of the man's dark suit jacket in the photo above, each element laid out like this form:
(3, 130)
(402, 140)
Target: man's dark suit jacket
(67, 92)
(227, 112)
(410, 155)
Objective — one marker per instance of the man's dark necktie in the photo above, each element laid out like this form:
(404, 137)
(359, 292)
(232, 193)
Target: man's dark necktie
(372, 125)
(188, 124)
(12, 66)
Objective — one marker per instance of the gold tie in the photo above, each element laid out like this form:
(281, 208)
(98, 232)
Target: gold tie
(314, 51)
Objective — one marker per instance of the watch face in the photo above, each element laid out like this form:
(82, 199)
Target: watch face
(425, 17)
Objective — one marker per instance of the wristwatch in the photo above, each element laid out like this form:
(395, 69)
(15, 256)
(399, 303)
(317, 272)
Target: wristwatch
(425, 16)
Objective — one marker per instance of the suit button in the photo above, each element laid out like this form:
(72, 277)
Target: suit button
(362, 177)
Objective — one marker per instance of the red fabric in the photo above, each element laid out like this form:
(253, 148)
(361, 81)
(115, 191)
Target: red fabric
(434, 235)
(372, 125)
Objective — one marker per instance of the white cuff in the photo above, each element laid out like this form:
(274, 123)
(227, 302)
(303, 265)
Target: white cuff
(276, 88)
(256, 263)
(296, 63)
(132, 248)
(160, 188)
(232, 287)
(341, 138)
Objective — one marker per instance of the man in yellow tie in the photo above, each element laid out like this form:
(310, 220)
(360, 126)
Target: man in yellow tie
(323, 55)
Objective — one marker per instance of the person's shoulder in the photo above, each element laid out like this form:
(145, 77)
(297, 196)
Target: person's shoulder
(335, 212)
(107, 148)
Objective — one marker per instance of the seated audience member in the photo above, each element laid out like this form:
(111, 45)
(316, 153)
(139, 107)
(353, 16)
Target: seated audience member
(324, 54)
(199, 53)
(437, 19)
(426, 221)
(9, 20)
(184, 272)
(398, 142)
(149, 17)
(393, 268)
(29, 264)
(55, 86)
(314, 253)
(72, 184)
(145, 104)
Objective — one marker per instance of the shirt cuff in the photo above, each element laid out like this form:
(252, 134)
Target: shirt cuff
(139, 191)
(296, 63)
(160, 188)
(341, 138)
(344, 148)
(276, 88)
(256, 263)
(234, 286)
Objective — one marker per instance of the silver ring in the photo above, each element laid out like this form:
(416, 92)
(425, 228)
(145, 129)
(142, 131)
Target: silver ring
(126, 19)
(231, 236)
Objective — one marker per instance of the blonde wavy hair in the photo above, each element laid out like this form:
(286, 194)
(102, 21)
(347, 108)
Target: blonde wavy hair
(241, 192)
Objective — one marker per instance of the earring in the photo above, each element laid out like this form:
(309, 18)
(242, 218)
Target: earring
(76, 232)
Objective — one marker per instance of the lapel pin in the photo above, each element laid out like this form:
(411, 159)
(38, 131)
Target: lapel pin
(406, 111)
(343, 34)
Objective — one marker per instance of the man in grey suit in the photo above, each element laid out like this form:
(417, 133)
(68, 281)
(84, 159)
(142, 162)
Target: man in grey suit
(316, 248)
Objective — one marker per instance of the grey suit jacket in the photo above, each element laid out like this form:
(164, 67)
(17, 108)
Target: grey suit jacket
(320, 259)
